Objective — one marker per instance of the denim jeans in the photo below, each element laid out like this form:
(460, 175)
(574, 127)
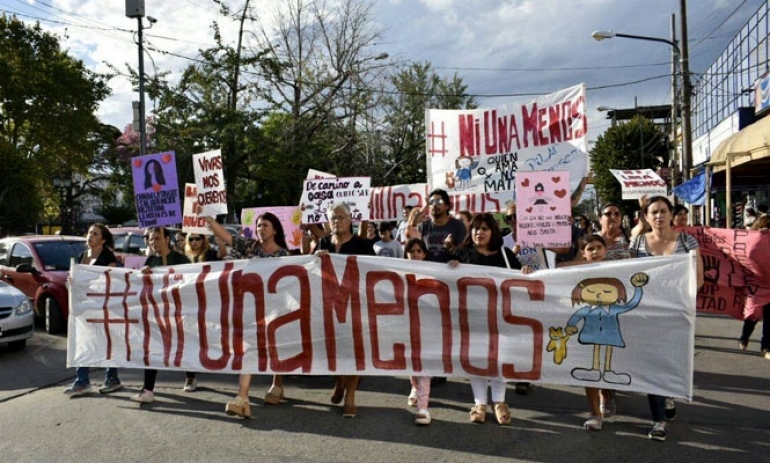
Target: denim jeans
(657, 407)
(110, 375)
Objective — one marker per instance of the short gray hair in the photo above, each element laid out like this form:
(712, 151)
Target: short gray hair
(336, 206)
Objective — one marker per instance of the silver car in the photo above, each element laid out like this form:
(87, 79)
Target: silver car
(17, 319)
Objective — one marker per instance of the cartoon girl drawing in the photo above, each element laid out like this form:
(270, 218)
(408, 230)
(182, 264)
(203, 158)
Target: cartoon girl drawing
(157, 172)
(606, 299)
(540, 199)
(464, 173)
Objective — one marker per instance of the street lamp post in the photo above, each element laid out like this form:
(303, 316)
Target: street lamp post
(135, 9)
(686, 91)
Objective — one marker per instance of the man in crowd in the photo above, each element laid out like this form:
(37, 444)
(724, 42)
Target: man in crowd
(442, 232)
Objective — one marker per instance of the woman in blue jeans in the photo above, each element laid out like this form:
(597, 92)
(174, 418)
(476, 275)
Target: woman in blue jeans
(99, 252)
(663, 240)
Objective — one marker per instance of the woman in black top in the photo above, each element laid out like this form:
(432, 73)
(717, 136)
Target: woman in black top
(100, 244)
(484, 246)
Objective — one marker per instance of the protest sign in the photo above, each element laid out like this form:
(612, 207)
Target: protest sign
(319, 194)
(357, 315)
(640, 182)
(476, 154)
(210, 181)
(543, 209)
(387, 202)
(156, 192)
(735, 271)
(134, 262)
(289, 216)
(191, 221)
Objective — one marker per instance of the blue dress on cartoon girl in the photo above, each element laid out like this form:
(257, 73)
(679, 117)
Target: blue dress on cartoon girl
(601, 325)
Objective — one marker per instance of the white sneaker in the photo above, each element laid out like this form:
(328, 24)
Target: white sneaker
(191, 385)
(422, 417)
(144, 397)
(593, 424)
(78, 389)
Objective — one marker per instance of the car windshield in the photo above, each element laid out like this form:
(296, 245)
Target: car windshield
(56, 255)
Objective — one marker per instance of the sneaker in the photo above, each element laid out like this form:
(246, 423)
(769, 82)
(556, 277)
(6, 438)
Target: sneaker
(422, 417)
(608, 407)
(190, 385)
(78, 389)
(658, 431)
(670, 408)
(523, 388)
(593, 424)
(144, 397)
(766, 354)
(111, 385)
(743, 344)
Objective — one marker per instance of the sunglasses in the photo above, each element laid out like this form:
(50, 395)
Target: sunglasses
(195, 239)
(436, 202)
(611, 214)
(509, 218)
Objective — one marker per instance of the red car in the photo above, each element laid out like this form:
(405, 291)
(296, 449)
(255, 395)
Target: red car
(38, 266)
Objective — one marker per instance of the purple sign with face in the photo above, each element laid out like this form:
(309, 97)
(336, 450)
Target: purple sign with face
(156, 190)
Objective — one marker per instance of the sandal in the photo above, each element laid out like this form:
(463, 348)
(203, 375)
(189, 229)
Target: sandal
(238, 407)
(503, 413)
(349, 411)
(478, 413)
(412, 399)
(274, 395)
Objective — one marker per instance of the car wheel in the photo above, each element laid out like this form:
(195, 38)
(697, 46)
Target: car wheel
(17, 345)
(54, 321)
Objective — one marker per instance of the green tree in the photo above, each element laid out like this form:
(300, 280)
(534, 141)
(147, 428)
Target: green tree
(636, 144)
(48, 102)
(414, 90)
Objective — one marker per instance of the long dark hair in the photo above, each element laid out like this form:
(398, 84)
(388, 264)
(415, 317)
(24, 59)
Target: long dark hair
(158, 174)
(280, 237)
(109, 241)
(495, 241)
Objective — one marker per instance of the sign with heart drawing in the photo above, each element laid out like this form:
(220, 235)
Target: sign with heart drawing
(543, 209)
(156, 191)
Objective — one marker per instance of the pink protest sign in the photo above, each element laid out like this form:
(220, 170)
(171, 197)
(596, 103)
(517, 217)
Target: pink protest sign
(156, 191)
(543, 209)
(289, 216)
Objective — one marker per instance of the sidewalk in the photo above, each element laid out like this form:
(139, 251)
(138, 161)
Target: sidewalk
(728, 420)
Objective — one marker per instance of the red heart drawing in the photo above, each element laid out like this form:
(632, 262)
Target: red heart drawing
(137, 163)
(166, 158)
(529, 209)
(157, 187)
(560, 193)
(556, 179)
(525, 182)
(553, 208)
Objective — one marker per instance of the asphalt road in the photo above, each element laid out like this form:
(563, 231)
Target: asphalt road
(728, 420)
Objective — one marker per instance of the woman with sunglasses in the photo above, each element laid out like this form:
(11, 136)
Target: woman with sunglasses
(271, 242)
(613, 233)
(198, 249)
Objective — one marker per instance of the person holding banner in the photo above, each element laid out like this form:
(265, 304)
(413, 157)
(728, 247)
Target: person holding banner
(762, 224)
(663, 240)
(100, 244)
(198, 249)
(343, 241)
(163, 256)
(271, 243)
(442, 232)
(484, 246)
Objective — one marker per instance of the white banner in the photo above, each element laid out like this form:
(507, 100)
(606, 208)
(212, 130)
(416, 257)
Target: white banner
(475, 154)
(387, 202)
(321, 193)
(210, 181)
(377, 316)
(640, 182)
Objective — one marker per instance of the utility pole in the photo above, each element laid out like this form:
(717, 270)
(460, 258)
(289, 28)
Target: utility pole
(674, 105)
(686, 95)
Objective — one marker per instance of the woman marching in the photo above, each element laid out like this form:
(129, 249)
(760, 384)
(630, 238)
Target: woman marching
(100, 244)
(663, 240)
(484, 246)
(271, 243)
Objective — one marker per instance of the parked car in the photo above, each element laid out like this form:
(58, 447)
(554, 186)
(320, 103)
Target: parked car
(38, 266)
(17, 319)
(129, 241)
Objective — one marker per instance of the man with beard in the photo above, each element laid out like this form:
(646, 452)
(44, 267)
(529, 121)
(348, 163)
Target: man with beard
(442, 232)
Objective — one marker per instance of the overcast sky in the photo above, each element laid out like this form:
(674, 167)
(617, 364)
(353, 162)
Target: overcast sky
(499, 47)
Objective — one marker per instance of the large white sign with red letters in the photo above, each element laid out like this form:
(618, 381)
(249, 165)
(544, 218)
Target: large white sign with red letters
(376, 316)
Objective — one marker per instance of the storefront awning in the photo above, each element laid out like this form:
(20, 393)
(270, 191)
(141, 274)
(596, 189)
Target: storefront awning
(750, 144)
